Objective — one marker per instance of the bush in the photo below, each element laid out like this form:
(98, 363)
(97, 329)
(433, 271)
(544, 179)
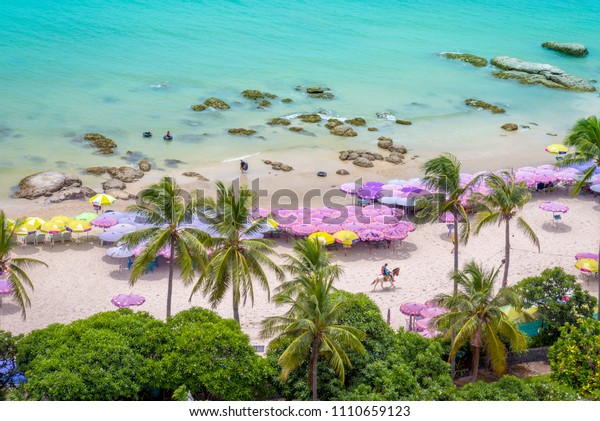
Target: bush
(547, 291)
(575, 358)
(8, 369)
(510, 388)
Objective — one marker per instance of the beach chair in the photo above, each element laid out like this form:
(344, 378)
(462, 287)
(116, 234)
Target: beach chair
(557, 218)
(450, 229)
(56, 238)
(30, 239)
(66, 236)
(40, 238)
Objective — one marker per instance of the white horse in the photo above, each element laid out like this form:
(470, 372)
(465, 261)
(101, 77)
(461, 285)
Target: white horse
(381, 279)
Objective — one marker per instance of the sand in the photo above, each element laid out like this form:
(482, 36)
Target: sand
(81, 279)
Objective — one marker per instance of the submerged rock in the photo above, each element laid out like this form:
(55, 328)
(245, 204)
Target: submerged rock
(570, 48)
(172, 162)
(104, 144)
(280, 121)
(472, 102)
(45, 183)
(404, 122)
(372, 129)
(310, 118)
(333, 122)
(296, 129)
(96, 170)
(265, 103)
(317, 92)
(539, 74)
(242, 132)
(467, 58)
(199, 107)
(287, 100)
(509, 127)
(217, 103)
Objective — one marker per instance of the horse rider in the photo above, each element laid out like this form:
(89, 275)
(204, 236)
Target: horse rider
(385, 271)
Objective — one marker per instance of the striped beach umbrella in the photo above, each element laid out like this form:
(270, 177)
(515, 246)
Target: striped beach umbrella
(79, 226)
(102, 199)
(34, 221)
(52, 228)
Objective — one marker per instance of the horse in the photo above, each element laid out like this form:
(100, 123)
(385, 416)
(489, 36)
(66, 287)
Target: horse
(382, 279)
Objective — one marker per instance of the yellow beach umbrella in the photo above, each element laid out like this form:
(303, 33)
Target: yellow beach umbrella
(86, 216)
(587, 265)
(52, 228)
(524, 315)
(61, 220)
(323, 237)
(345, 237)
(272, 222)
(79, 226)
(102, 199)
(28, 227)
(34, 221)
(557, 149)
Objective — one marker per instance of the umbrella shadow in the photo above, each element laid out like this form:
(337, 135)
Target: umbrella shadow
(9, 308)
(559, 227)
(28, 250)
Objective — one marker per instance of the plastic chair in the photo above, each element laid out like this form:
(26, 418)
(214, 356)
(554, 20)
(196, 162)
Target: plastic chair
(557, 218)
(66, 236)
(450, 229)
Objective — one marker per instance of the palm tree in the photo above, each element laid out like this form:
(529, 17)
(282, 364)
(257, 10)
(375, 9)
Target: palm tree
(476, 316)
(311, 257)
(311, 326)
(237, 256)
(506, 198)
(13, 268)
(584, 137)
(169, 209)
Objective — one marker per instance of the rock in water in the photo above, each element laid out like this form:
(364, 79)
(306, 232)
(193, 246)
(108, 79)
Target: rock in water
(113, 184)
(476, 103)
(145, 165)
(539, 74)
(242, 131)
(357, 121)
(217, 103)
(343, 130)
(384, 142)
(45, 183)
(126, 174)
(467, 58)
(570, 48)
(509, 127)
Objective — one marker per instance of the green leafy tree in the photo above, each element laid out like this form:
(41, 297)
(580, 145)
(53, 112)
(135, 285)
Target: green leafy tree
(237, 258)
(109, 356)
(312, 326)
(212, 358)
(14, 268)
(584, 138)
(170, 210)
(501, 205)
(511, 388)
(476, 316)
(8, 367)
(559, 299)
(575, 357)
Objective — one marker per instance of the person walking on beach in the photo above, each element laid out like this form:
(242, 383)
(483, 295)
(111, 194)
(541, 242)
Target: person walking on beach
(243, 166)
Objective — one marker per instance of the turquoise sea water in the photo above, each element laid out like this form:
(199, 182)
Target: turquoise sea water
(75, 66)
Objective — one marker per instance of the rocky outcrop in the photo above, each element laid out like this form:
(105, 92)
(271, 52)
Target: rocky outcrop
(256, 95)
(242, 132)
(113, 184)
(96, 170)
(538, 74)
(362, 156)
(509, 127)
(70, 193)
(199, 107)
(317, 92)
(120, 194)
(472, 102)
(467, 58)
(343, 130)
(357, 121)
(287, 100)
(372, 129)
(216, 103)
(384, 142)
(342, 172)
(125, 174)
(279, 121)
(45, 184)
(404, 122)
(570, 48)
(196, 175)
(363, 162)
(144, 165)
(310, 118)
(395, 158)
(278, 166)
(104, 144)
(333, 122)
(296, 129)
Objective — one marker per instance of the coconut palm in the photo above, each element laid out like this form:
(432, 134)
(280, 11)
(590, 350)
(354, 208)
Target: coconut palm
(13, 268)
(311, 257)
(237, 255)
(475, 314)
(584, 138)
(507, 197)
(169, 209)
(311, 327)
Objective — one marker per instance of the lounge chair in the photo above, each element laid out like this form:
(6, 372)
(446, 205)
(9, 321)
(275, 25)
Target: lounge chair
(66, 236)
(40, 238)
(30, 239)
(557, 218)
(56, 238)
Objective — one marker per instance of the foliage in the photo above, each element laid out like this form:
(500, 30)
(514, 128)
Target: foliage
(8, 350)
(584, 137)
(506, 198)
(236, 259)
(475, 315)
(212, 358)
(547, 292)
(510, 388)
(395, 366)
(14, 268)
(575, 357)
(170, 210)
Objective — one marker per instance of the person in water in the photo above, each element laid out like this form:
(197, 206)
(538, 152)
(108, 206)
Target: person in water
(243, 166)
(168, 135)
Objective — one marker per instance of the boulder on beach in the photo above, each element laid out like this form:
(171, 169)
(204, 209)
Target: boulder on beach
(472, 102)
(113, 184)
(120, 194)
(398, 149)
(384, 142)
(467, 58)
(216, 103)
(363, 162)
(125, 174)
(342, 172)
(71, 193)
(196, 175)
(279, 166)
(539, 74)
(333, 122)
(242, 131)
(45, 183)
(144, 165)
(571, 48)
(395, 158)
(343, 130)
(509, 127)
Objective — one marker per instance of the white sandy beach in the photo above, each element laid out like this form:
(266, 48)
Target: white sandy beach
(81, 279)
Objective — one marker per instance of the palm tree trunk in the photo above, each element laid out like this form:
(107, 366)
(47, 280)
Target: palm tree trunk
(170, 285)
(475, 364)
(506, 253)
(453, 359)
(312, 367)
(236, 306)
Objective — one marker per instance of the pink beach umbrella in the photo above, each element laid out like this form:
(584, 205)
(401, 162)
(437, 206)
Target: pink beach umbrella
(129, 300)
(379, 226)
(429, 334)
(447, 218)
(395, 234)
(406, 225)
(373, 185)
(349, 188)
(380, 209)
(353, 226)
(330, 212)
(431, 303)
(124, 228)
(566, 177)
(329, 228)
(303, 229)
(423, 324)
(104, 222)
(6, 288)
(385, 219)
(544, 178)
(411, 309)
(431, 312)
(554, 207)
(547, 167)
(593, 256)
(284, 213)
(370, 235)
